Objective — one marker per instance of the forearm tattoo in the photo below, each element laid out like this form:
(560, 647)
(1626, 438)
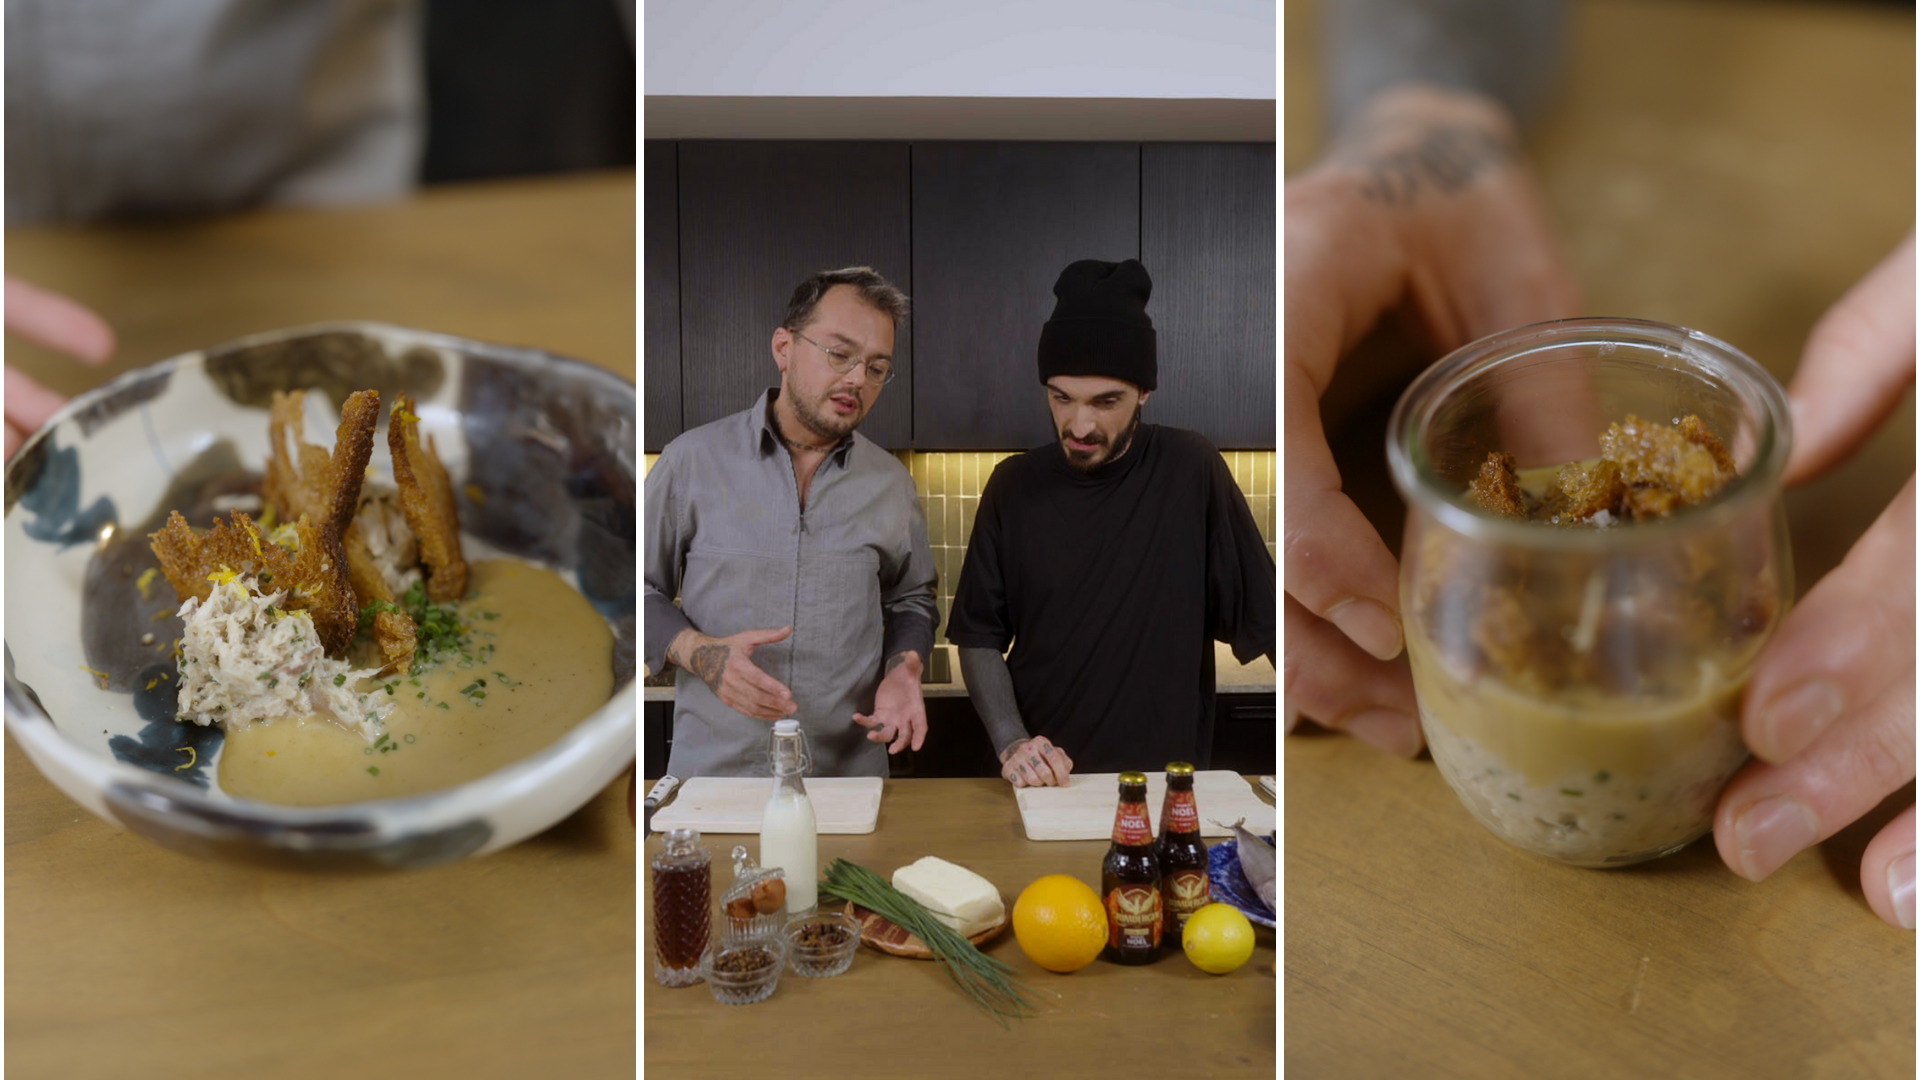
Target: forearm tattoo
(709, 662)
(893, 661)
(1444, 159)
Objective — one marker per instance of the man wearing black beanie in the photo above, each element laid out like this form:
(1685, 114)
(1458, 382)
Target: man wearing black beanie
(1109, 560)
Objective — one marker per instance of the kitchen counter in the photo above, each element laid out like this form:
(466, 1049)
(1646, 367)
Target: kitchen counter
(1732, 168)
(888, 1016)
(1230, 677)
(127, 959)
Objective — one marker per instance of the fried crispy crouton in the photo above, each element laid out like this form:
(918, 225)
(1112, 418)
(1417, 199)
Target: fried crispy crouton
(426, 496)
(323, 486)
(315, 576)
(1497, 488)
(1659, 455)
(1695, 432)
(1585, 491)
(393, 631)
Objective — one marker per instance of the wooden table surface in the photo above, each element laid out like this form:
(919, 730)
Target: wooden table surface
(125, 959)
(888, 1016)
(1732, 167)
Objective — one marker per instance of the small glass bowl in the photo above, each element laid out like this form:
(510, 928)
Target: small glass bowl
(743, 988)
(818, 961)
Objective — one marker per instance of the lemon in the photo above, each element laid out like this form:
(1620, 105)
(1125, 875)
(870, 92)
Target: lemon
(1060, 923)
(1217, 939)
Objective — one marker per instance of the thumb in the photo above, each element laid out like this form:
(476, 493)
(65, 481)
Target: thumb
(750, 638)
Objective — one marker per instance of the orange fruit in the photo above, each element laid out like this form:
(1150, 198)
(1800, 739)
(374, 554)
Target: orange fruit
(1060, 923)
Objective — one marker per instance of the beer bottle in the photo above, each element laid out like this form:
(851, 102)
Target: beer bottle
(1182, 854)
(1130, 879)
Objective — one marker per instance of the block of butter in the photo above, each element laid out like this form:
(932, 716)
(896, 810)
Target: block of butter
(955, 895)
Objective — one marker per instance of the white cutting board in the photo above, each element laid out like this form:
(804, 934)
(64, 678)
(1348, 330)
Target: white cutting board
(1083, 810)
(733, 804)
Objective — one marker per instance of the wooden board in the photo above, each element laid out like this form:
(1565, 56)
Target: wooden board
(1083, 810)
(733, 804)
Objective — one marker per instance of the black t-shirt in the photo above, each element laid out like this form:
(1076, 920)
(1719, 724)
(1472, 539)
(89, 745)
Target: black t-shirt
(1111, 586)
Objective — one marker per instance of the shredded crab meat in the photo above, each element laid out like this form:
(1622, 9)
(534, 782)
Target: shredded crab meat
(246, 659)
(383, 526)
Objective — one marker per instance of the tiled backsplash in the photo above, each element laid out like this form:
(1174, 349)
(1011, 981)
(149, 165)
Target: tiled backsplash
(948, 486)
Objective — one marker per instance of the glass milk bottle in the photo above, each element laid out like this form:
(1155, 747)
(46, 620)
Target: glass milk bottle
(787, 836)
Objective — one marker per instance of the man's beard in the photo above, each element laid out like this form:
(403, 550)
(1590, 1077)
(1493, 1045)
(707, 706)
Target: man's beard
(824, 424)
(1085, 461)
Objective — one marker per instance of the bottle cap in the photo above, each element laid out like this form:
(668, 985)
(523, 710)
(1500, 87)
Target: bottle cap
(786, 727)
(1179, 768)
(1133, 778)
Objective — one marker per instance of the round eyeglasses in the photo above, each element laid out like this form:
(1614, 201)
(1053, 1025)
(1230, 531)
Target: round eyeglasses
(879, 372)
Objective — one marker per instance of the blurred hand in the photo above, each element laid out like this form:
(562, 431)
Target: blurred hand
(899, 711)
(57, 323)
(1423, 212)
(1829, 711)
(1035, 762)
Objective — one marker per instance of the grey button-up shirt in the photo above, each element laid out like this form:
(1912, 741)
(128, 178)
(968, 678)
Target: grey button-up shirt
(852, 575)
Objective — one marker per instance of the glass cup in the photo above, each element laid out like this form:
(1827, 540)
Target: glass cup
(1579, 687)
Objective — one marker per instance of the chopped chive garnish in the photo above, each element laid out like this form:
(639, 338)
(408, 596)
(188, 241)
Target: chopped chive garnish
(409, 738)
(339, 680)
(1571, 791)
(373, 771)
(1602, 776)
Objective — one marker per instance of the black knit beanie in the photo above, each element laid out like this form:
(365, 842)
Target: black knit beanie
(1100, 324)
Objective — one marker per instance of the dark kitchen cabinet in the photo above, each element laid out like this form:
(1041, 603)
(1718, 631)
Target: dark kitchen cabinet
(976, 233)
(756, 218)
(660, 345)
(1207, 237)
(994, 223)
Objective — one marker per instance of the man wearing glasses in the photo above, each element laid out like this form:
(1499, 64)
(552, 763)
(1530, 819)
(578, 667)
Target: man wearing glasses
(799, 555)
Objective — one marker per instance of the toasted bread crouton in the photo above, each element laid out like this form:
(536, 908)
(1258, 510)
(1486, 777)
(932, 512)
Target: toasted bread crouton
(393, 631)
(314, 575)
(426, 497)
(1497, 488)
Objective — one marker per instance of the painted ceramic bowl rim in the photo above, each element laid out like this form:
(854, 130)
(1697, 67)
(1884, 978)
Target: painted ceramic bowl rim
(346, 827)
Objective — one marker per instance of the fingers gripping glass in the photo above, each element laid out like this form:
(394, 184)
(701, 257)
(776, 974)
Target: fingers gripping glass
(879, 372)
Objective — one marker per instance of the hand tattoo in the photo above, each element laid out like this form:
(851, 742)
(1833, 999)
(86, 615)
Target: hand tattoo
(709, 662)
(1445, 158)
(893, 661)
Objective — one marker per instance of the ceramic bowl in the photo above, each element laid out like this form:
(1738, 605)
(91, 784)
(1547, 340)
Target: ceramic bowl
(542, 452)
(1230, 883)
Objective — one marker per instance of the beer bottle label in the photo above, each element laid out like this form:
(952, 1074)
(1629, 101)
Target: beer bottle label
(1134, 917)
(1130, 825)
(1182, 815)
(1187, 892)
